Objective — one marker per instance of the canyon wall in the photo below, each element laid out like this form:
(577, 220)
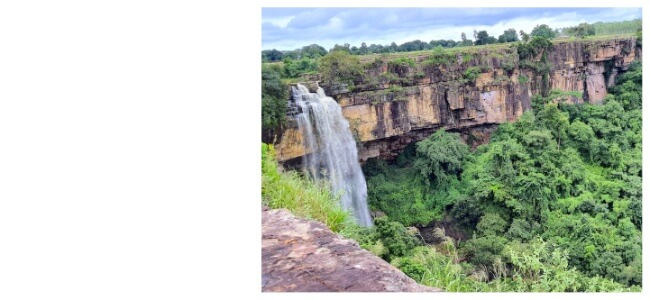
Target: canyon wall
(400, 101)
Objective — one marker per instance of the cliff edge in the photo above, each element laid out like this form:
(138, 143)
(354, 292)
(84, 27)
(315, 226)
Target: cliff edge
(406, 97)
(305, 256)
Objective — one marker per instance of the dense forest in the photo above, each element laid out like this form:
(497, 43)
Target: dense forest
(552, 203)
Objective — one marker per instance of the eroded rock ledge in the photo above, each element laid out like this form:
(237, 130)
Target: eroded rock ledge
(422, 98)
(305, 256)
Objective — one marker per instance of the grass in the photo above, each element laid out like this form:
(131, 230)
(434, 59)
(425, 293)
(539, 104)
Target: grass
(303, 197)
(490, 47)
(555, 93)
(593, 38)
(413, 54)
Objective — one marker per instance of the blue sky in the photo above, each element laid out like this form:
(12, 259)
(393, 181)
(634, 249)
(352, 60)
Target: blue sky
(291, 28)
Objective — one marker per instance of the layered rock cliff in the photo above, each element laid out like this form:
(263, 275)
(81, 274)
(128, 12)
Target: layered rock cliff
(472, 91)
(305, 256)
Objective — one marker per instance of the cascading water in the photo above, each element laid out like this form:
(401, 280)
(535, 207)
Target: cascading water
(334, 152)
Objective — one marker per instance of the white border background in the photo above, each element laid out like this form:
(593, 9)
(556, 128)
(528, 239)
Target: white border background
(129, 149)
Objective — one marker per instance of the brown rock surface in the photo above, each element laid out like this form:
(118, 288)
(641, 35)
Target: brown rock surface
(385, 120)
(305, 256)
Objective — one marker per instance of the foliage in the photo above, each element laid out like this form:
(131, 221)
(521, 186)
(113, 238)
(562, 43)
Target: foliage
(543, 30)
(304, 198)
(274, 103)
(315, 51)
(554, 201)
(509, 35)
(472, 73)
(522, 79)
(273, 55)
(418, 189)
(398, 192)
(395, 237)
(534, 47)
(438, 57)
(339, 66)
(439, 157)
(482, 38)
(295, 68)
(466, 212)
(403, 62)
(580, 31)
(387, 239)
(621, 27)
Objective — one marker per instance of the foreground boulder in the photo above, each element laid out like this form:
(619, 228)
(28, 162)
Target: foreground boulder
(305, 256)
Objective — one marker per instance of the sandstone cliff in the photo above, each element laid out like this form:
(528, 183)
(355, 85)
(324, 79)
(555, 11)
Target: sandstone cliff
(469, 92)
(305, 256)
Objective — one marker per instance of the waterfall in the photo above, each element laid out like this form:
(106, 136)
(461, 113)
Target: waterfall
(334, 152)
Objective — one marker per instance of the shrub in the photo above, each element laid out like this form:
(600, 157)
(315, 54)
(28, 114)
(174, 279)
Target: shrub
(472, 73)
(340, 66)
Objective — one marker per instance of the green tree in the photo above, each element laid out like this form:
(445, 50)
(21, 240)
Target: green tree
(556, 121)
(464, 41)
(491, 224)
(363, 49)
(313, 51)
(340, 66)
(439, 157)
(394, 236)
(509, 35)
(272, 55)
(582, 30)
(274, 102)
(482, 38)
(466, 212)
(544, 31)
(484, 250)
(344, 48)
(524, 36)
(582, 137)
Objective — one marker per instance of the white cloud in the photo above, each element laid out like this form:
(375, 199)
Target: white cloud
(280, 22)
(335, 23)
(384, 27)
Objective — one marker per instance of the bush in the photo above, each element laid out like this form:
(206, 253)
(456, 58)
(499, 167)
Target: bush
(394, 236)
(472, 73)
(402, 62)
(522, 79)
(341, 67)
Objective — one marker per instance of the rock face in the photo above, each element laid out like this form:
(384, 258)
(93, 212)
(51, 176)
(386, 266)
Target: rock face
(395, 105)
(305, 256)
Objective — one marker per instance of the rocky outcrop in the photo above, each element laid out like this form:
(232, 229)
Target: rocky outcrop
(305, 256)
(469, 92)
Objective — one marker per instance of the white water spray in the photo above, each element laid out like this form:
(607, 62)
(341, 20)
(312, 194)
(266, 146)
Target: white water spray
(334, 152)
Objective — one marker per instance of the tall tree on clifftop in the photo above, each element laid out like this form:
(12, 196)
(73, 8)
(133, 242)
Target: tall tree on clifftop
(544, 31)
(509, 35)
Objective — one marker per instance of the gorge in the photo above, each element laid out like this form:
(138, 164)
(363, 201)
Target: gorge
(480, 160)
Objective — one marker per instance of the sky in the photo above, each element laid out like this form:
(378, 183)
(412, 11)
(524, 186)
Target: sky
(292, 28)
